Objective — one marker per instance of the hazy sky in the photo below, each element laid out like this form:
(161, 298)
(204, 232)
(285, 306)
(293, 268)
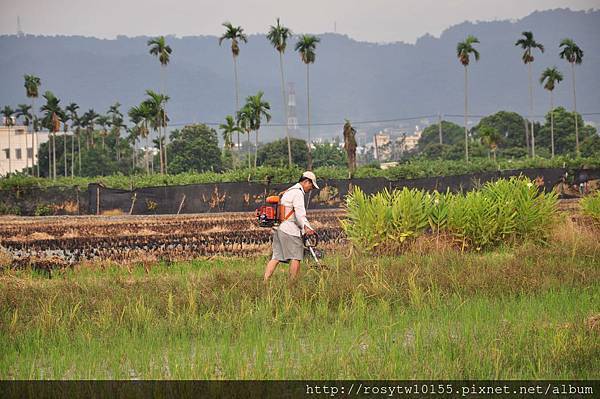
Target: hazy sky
(367, 20)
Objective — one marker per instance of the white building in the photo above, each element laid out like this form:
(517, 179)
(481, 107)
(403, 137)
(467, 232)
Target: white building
(17, 149)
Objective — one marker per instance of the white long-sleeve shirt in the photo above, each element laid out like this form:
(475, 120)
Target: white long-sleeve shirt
(293, 198)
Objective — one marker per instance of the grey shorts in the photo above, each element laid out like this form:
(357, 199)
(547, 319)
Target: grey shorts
(287, 247)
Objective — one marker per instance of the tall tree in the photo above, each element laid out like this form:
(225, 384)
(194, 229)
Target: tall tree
(89, 123)
(71, 111)
(141, 116)
(245, 122)
(306, 46)
(32, 85)
(156, 104)
(103, 121)
(236, 35)
(116, 124)
(528, 44)
(490, 137)
(227, 130)
(574, 55)
(549, 79)
(8, 112)
(24, 111)
(160, 49)
(278, 36)
(52, 120)
(463, 51)
(258, 109)
(65, 119)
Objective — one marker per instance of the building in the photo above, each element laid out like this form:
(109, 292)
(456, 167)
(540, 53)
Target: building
(410, 142)
(17, 149)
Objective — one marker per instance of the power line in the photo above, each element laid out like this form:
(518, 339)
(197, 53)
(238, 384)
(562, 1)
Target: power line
(367, 122)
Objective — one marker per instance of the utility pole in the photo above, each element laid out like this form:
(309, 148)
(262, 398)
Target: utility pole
(440, 126)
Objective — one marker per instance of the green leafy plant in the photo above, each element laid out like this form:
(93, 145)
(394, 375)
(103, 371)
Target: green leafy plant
(501, 212)
(590, 205)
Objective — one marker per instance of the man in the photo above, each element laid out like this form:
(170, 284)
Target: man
(287, 238)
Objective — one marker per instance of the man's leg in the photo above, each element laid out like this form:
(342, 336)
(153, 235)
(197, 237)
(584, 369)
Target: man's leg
(270, 268)
(294, 269)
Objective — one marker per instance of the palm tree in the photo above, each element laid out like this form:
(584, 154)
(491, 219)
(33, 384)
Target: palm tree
(528, 44)
(306, 46)
(463, 52)
(132, 138)
(24, 111)
(32, 85)
(116, 123)
(278, 36)
(550, 78)
(236, 35)
(574, 55)
(71, 111)
(141, 116)
(103, 122)
(65, 118)
(258, 109)
(163, 51)
(89, 122)
(8, 112)
(51, 121)
(228, 129)
(245, 122)
(490, 137)
(156, 103)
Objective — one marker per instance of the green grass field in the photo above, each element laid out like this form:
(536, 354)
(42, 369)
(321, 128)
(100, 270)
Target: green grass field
(526, 313)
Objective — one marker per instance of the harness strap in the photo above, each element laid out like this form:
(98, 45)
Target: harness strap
(282, 210)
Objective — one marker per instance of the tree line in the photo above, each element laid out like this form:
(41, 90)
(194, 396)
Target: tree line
(151, 115)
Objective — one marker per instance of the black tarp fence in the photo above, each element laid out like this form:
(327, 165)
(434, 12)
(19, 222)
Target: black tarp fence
(44, 201)
(247, 196)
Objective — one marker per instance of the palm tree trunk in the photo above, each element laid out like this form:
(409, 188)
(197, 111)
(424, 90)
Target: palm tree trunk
(27, 150)
(237, 95)
(160, 146)
(256, 149)
(285, 116)
(146, 152)
(65, 151)
(466, 117)
(49, 156)
(35, 155)
(9, 150)
(249, 164)
(552, 121)
(575, 111)
(164, 119)
(308, 116)
(79, 150)
(54, 155)
(165, 150)
(531, 111)
(73, 154)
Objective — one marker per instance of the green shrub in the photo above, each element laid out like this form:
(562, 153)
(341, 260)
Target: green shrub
(501, 212)
(43, 210)
(590, 206)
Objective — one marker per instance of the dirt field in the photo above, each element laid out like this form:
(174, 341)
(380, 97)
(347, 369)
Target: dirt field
(66, 240)
(56, 241)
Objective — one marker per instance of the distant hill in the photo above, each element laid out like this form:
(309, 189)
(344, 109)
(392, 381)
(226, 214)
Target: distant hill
(350, 79)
